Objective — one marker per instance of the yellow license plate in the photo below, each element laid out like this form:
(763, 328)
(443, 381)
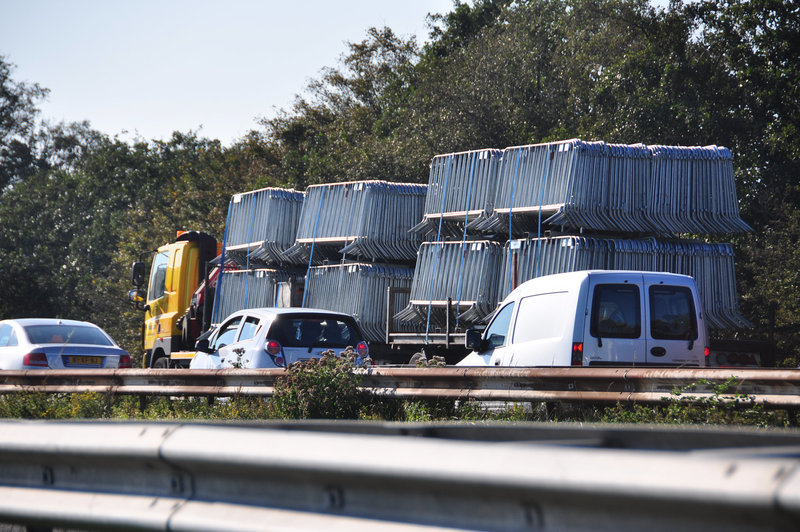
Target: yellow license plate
(84, 361)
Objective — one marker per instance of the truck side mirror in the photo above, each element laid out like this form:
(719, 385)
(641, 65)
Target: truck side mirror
(473, 341)
(137, 274)
(137, 297)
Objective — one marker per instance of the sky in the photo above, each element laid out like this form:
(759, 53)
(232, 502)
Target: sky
(146, 68)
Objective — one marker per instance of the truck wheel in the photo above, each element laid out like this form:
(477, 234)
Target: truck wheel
(161, 363)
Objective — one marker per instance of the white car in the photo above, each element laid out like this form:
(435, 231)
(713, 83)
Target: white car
(48, 343)
(277, 337)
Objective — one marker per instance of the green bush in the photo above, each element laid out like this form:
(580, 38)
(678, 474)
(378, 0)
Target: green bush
(320, 388)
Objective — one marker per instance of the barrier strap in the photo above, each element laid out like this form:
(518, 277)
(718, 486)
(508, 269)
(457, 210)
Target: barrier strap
(438, 249)
(550, 155)
(313, 242)
(220, 275)
(464, 236)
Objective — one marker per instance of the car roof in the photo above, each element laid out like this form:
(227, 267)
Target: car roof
(24, 322)
(265, 312)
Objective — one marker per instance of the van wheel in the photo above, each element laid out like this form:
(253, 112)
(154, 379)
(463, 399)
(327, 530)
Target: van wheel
(161, 363)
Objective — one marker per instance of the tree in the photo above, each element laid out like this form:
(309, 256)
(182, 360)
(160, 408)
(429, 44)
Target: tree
(18, 113)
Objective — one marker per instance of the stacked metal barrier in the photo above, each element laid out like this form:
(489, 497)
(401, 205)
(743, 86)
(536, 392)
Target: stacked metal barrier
(576, 184)
(262, 224)
(331, 222)
(461, 188)
(360, 289)
(465, 272)
(710, 264)
(366, 219)
(241, 289)
(587, 187)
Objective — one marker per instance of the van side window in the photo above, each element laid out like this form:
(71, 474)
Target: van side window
(672, 314)
(497, 331)
(616, 311)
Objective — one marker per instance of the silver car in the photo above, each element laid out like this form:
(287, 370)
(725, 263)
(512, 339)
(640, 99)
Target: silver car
(277, 337)
(49, 343)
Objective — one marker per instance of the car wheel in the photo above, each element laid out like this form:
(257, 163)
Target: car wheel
(161, 363)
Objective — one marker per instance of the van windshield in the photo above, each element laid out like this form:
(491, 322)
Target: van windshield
(616, 311)
(672, 314)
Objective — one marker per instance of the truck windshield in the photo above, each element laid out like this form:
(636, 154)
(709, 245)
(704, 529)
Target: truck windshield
(672, 315)
(158, 276)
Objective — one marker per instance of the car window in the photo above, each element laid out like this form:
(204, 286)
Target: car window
(249, 328)
(6, 335)
(66, 334)
(316, 331)
(616, 311)
(672, 315)
(497, 331)
(227, 333)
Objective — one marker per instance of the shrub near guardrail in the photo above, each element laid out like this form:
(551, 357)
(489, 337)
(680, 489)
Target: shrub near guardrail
(320, 388)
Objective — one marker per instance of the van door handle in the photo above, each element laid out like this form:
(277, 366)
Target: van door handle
(658, 351)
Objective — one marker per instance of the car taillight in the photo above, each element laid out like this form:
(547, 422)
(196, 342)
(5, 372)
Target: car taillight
(707, 355)
(125, 361)
(362, 349)
(273, 349)
(577, 354)
(38, 360)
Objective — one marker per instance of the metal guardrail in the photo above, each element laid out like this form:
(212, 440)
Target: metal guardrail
(166, 476)
(773, 388)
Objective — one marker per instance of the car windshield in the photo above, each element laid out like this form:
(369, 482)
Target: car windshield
(316, 331)
(66, 334)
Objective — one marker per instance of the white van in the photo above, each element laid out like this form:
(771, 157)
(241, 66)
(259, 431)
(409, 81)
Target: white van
(595, 318)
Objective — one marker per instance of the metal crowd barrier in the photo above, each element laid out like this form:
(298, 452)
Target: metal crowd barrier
(365, 219)
(461, 187)
(262, 224)
(261, 287)
(711, 265)
(360, 290)
(468, 273)
(576, 184)
(396, 477)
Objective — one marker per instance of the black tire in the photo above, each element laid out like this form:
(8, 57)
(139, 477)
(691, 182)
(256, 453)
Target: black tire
(161, 363)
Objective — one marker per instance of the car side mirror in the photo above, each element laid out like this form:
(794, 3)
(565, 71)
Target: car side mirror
(203, 346)
(137, 274)
(473, 340)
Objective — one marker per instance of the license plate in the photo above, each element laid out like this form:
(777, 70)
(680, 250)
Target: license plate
(84, 361)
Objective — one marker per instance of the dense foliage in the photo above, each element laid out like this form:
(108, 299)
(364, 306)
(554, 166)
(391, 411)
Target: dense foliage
(76, 207)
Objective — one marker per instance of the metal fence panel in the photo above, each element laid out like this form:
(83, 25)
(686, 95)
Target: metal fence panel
(365, 219)
(262, 224)
(360, 290)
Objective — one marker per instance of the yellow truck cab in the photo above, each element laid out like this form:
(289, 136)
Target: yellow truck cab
(176, 271)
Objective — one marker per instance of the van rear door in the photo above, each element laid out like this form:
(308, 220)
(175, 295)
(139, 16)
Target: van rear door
(614, 329)
(673, 326)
